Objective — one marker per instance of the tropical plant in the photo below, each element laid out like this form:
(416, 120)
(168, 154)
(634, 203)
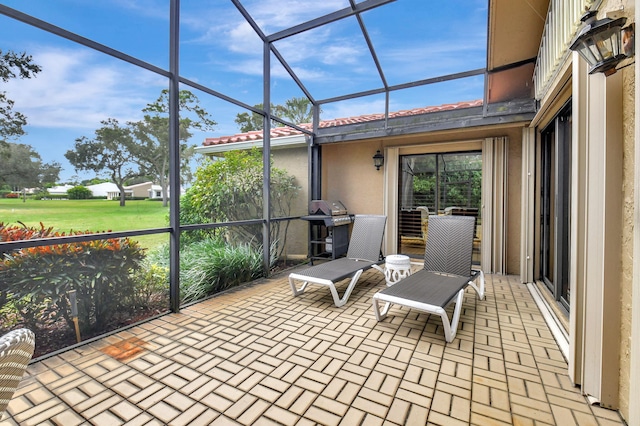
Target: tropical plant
(38, 279)
(231, 189)
(211, 266)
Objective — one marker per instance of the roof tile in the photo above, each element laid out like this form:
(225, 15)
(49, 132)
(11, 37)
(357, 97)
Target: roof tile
(278, 132)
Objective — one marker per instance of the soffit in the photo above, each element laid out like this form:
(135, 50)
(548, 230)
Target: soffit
(515, 30)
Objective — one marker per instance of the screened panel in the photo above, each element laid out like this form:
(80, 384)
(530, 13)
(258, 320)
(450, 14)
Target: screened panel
(220, 50)
(443, 96)
(137, 29)
(218, 260)
(274, 16)
(366, 108)
(331, 60)
(68, 293)
(417, 39)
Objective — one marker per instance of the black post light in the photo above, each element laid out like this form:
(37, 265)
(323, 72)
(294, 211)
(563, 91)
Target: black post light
(603, 43)
(378, 160)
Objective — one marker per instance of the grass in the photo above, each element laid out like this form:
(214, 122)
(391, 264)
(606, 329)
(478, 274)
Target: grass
(89, 215)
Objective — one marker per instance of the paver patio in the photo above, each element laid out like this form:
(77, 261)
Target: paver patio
(260, 356)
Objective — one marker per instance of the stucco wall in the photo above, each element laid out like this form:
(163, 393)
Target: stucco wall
(349, 175)
(628, 188)
(295, 162)
(628, 167)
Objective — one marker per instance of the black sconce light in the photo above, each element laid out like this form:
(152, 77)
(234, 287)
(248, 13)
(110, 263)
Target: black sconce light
(603, 43)
(378, 160)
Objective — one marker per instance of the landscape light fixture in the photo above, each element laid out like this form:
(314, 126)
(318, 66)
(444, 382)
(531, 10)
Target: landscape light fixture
(603, 43)
(378, 160)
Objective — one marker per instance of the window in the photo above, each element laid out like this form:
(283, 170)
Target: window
(442, 183)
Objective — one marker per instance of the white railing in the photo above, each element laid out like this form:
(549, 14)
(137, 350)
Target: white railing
(563, 21)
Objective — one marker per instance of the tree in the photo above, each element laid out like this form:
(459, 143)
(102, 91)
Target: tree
(152, 133)
(13, 65)
(22, 167)
(249, 122)
(231, 190)
(111, 150)
(296, 110)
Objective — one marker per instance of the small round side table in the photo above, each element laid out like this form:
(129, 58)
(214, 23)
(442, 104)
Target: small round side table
(396, 267)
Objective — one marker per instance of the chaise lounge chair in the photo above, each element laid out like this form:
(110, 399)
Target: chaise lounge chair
(363, 253)
(446, 274)
(16, 350)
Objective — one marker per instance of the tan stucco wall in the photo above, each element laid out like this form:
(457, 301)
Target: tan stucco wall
(295, 162)
(626, 7)
(349, 175)
(628, 170)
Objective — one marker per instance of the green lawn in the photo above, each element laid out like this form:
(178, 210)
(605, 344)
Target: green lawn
(89, 215)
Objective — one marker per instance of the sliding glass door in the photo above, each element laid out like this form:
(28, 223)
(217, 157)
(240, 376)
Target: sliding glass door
(439, 183)
(555, 186)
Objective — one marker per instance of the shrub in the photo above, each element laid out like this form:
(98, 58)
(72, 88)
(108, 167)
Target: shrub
(37, 279)
(79, 193)
(211, 266)
(231, 190)
(151, 280)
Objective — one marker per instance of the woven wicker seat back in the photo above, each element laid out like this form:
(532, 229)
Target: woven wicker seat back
(16, 350)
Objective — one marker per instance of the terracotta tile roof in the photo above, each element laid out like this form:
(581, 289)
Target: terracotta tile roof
(278, 132)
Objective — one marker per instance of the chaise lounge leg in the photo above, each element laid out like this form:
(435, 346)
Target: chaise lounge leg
(380, 313)
(450, 329)
(480, 287)
(297, 291)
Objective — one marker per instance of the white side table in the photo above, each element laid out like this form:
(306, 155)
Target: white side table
(396, 267)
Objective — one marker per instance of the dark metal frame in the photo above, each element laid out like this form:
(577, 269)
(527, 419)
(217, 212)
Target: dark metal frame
(315, 153)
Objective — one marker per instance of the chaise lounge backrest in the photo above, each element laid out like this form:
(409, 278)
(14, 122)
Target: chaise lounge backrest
(449, 246)
(366, 238)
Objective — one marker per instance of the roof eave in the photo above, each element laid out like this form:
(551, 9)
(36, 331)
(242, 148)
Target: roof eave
(277, 142)
(504, 113)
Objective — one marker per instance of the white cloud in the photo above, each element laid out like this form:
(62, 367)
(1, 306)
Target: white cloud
(226, 32)
(78, 88)
(275, 15)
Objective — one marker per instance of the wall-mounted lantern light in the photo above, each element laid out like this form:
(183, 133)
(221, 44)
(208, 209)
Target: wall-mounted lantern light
(378, 160)
(603, 43)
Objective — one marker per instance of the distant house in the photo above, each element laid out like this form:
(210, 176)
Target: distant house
(60, 189)
(155, 192)
(140, 190)
(109, 190)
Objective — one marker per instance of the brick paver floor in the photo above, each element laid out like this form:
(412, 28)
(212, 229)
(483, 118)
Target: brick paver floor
(259, 356)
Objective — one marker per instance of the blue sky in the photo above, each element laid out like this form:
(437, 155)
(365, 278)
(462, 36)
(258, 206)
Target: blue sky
(78, 87)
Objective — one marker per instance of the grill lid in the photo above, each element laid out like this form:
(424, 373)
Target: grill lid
(329, 208)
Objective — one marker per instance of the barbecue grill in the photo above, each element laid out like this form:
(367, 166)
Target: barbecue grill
(329, 230)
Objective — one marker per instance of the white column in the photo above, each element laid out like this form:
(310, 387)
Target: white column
(577, 253)
(600, 377)
(494, 205)
(390, 199)
(527, 194)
